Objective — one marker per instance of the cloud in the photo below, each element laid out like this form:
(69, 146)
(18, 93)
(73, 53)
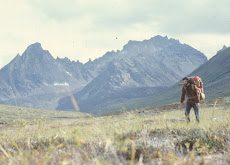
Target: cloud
(177, 16)
(87, 29)
(56, 10)
(195, 17)
(170, 16)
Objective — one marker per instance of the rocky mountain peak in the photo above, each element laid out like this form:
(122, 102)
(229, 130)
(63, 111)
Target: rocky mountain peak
(159, 37)
(224, 47)
(131, 45)
(35, 51)
(157, 41)
(35, 46)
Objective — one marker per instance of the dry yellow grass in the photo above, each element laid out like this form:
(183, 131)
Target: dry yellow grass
(53, 137)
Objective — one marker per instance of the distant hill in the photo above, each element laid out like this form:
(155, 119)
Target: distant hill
(215, 75)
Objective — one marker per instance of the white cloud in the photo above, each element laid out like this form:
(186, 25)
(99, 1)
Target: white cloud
(87, 29)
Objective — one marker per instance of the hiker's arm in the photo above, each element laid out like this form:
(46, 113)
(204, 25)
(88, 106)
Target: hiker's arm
(180, 84)
(182, 95)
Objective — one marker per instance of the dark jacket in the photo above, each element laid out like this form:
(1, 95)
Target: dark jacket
(192, 93)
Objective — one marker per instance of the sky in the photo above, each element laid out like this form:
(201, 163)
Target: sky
(83, 29)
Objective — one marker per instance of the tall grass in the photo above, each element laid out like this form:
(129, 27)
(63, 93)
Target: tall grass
(152, 137)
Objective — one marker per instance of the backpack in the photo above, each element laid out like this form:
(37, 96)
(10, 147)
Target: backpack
(198, 82)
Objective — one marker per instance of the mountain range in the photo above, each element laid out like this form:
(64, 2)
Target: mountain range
(141, 69)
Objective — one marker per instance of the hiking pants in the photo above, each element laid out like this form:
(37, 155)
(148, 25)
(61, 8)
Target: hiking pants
(187, 112)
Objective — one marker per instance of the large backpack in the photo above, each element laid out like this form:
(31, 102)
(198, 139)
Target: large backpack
(198, 82)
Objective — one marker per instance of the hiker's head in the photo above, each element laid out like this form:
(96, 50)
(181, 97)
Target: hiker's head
(185, 79)
(190, 81)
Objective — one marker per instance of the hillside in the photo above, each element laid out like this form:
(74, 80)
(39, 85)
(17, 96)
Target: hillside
(11, 114)
(215, 75)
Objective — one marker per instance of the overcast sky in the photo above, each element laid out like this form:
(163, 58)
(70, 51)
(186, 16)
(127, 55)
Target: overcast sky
(83, 29)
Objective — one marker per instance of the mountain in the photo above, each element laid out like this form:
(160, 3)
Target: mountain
(33, 79)
(216, 79)
(224, 47)
(140, 69)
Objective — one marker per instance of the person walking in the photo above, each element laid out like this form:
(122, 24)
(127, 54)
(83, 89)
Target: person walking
(193, 98)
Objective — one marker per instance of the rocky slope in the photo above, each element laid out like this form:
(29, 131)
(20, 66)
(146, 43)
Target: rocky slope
(140, 69)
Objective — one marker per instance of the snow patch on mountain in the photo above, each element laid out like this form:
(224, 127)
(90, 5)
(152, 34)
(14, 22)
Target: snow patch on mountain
(61, 84)
(69, 73)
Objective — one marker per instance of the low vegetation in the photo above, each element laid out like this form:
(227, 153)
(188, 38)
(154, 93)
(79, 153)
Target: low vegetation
(144, 136)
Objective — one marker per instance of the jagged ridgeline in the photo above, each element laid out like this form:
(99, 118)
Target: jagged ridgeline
(141, 69)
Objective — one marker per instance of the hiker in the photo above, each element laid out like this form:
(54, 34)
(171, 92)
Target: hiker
(192, 92)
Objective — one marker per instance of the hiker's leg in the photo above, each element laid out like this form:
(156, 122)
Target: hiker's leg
(187, 111)
(196, 110)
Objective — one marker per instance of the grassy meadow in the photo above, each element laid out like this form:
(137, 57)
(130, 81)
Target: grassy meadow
(152, 135)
